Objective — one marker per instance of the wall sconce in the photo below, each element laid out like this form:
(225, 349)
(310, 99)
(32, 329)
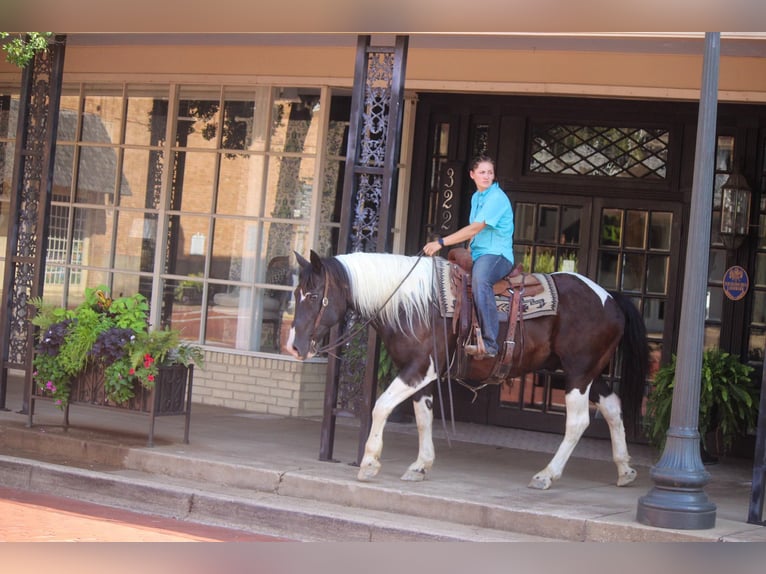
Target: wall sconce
(735, 210)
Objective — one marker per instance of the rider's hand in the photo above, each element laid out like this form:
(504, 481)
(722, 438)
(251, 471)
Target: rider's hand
(431, 248)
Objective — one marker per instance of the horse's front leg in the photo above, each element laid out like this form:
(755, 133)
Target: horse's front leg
(578, 419)
(396, 392)
(610, 408)
(424, 417)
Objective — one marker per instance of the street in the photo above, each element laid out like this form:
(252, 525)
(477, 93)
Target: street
(35, 517)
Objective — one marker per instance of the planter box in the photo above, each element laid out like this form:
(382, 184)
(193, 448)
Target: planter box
(171, 395)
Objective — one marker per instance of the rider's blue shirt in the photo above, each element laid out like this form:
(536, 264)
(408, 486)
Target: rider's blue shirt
(493, 207)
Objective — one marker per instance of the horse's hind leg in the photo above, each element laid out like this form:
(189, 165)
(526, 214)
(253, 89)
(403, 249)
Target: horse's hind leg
(609, 406)
(424, 417)
(578, 419)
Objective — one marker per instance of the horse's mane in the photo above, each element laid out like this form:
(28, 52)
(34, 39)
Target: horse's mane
(374, 277)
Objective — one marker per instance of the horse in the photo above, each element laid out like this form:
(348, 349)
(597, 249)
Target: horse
(396, 294)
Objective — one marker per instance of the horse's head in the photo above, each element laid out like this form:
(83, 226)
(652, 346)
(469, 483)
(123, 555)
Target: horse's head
(320, 303)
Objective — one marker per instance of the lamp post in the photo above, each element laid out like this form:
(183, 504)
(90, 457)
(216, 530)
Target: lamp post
(677, 499)
(735, 210)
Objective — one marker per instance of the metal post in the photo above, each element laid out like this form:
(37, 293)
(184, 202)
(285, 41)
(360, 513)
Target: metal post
(677, 499)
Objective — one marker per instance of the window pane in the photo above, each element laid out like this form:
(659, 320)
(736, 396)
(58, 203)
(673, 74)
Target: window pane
(241, 128)
(607, 270)
(142, 178)
(659, 232)
(136, 241)
(632, 271)
(187, 239)
(193, 190)
(548, 227)
(281, 239)
(68, 113)
(756, 343)
(289, 187)
(102, 114)
(96, 172)
(657, 274)
(635, 229)
(611, 227)
(96, 235)
(332, 191)
(724, 153)
(147, 116)
(186, 314)
(6, 168)
(759, 307)
(545, 260)
(234, 242)
(524, 216)
(91, 278)
(63, 167)
(124, 285)
(759, 277)
(198, 117)
(229, 319)
(713, 303)
(570, 224)
(654, 317)
(716, 265)
(295, 120)
(239, 184)
(9, 112)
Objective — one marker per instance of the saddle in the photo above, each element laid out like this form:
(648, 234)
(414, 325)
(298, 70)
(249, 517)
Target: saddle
(514, 287)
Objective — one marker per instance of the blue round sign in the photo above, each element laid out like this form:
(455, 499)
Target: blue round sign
(735, 283)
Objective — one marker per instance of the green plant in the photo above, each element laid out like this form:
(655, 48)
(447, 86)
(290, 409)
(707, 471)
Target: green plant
(188, 289)
(106, 334)
(728, 399)
(20, 50)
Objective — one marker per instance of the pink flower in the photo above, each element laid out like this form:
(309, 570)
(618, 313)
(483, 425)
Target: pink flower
(150, 378)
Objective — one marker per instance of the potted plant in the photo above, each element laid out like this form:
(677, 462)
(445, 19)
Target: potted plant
(103, 352)
(728, 400)
(188, 291)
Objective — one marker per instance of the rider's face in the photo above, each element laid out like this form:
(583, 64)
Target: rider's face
(483, 176)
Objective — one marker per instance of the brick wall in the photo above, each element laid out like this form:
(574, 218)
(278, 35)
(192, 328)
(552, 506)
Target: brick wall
(262, 385)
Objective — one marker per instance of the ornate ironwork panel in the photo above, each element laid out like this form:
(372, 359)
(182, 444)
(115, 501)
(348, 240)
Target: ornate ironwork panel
(373, 150)
(30, 204)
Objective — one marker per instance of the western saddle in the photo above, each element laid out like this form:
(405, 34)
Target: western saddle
(514, 286)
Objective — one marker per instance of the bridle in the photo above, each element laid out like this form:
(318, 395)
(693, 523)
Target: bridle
(349, 335)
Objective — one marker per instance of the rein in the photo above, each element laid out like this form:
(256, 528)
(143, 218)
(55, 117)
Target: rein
(346, 337)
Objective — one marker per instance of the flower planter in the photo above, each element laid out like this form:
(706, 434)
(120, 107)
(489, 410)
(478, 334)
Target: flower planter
(171, 395)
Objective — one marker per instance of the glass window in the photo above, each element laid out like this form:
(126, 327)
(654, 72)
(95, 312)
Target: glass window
(623, 152)
(102, 114)
(147, 116)
(240, 197)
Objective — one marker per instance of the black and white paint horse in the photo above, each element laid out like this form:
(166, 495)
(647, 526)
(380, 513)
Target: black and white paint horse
(580, 339)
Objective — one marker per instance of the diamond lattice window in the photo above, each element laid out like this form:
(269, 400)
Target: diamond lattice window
(625, 152)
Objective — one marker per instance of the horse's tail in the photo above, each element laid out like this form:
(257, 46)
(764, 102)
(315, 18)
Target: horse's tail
(635, 361)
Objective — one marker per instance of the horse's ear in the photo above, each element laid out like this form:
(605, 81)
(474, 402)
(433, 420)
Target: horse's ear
(316, 261)
(301, 261)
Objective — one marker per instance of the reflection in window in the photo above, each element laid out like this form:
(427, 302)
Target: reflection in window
(222, 204)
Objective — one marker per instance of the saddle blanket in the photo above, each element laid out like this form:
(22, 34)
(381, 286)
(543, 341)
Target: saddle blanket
(545, 303)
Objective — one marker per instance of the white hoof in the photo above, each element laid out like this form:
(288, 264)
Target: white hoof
(540, 482)
(414, 475)
(368, 470)
(626, 478)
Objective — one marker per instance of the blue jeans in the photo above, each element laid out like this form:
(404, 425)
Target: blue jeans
(488, 270)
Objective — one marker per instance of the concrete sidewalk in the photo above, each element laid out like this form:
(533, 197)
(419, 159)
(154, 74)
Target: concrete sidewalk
(262, 473)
